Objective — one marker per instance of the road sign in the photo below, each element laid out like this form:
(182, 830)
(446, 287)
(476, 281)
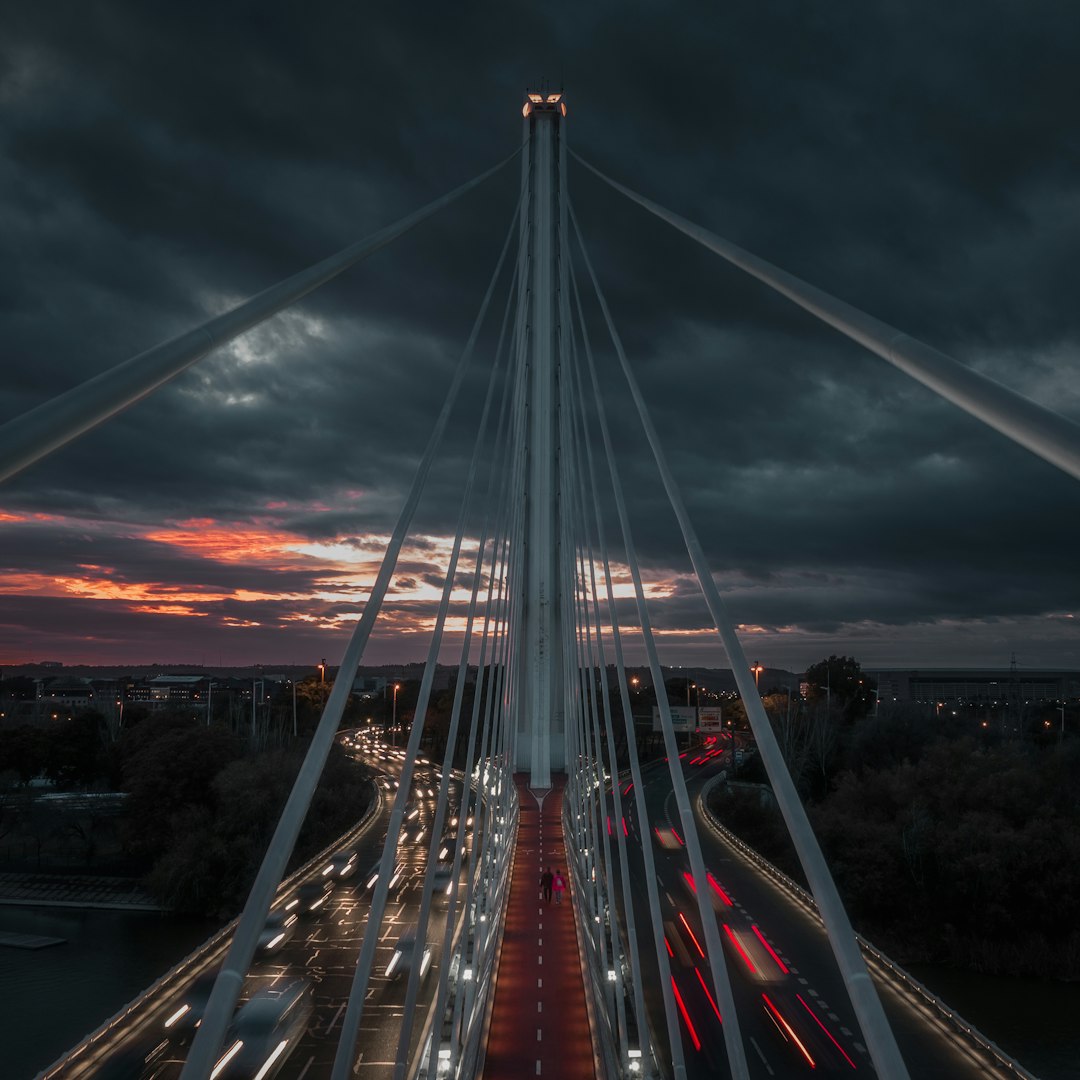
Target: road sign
(709, 719)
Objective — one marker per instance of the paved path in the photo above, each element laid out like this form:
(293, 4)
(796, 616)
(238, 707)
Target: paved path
(539, 1024)
(63, 890)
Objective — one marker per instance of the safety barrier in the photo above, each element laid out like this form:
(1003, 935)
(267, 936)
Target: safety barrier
(486, 967)
(605, 1050)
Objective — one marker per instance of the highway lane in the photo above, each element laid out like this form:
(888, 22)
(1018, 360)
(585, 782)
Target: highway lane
(793, 1010)
(319, 947)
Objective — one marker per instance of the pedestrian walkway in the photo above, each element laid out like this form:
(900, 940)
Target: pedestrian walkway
(539, 989)
(75, 890)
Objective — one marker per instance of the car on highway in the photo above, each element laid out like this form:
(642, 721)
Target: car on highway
(279, 928)
(342, 865)
(265, 1032)
(447, 846)
(406, 954)
(182, 1020)
(668, 838)
(442, 879)
(397, 878)
(313, 894)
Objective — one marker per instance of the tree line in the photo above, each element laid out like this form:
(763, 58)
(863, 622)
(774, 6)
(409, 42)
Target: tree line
(947, 844)
(200, 803)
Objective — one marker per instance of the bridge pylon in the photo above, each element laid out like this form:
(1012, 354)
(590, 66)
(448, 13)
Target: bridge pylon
(539, 680)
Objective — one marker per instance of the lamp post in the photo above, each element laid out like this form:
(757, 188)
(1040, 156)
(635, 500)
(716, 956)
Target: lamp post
(393, 720)
(757, 669)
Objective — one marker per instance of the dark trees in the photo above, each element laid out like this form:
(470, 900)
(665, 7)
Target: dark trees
(840, 682)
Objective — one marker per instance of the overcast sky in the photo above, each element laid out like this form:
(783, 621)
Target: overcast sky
(161, 162)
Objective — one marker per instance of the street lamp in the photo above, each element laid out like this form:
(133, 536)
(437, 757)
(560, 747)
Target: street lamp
(322, 672)
(757, 669)
(393, 721)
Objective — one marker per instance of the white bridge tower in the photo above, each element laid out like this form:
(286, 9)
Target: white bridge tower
(540, 678)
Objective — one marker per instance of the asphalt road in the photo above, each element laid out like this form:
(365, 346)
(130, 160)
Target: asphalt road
(322, 950)
(793, 1010)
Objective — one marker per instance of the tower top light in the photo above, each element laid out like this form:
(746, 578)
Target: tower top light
(535, 102)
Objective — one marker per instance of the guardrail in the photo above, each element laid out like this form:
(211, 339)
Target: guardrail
(875, 958)
(486, 967)
(606, 1055)
(204, 953)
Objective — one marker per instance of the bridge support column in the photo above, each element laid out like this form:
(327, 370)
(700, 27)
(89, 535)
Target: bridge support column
(540, 720)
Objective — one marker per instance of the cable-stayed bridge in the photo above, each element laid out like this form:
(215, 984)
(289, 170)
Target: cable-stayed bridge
(697, 985)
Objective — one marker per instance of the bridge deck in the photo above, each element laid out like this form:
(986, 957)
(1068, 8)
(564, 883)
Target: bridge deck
(539, 1024)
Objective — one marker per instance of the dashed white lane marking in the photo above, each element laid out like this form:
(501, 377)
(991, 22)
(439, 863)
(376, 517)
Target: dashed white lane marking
(860, 1048)
(538, 1068)
(538, 1034)
(539, 942)
(540, 986)
(833, 1016)
(762, 1056)
(539, 1006)
(844, 1031)
(341, 1009)
(813, 993)
(803, 981)
(540, 961)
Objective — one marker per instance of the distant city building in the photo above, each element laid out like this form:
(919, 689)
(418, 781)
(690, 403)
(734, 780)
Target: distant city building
(983, 686)
(65, 691)
(163, 690)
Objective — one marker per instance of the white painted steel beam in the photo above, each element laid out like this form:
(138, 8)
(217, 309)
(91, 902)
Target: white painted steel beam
(53, 424)
(1052, 437)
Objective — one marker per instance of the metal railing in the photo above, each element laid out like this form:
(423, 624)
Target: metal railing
(474, 1036)
(606, 1054)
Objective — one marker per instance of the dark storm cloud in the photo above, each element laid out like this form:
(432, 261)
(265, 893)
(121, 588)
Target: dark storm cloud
(157, 165)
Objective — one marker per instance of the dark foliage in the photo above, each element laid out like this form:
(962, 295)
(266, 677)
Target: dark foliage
(943, 847)
(211, 842)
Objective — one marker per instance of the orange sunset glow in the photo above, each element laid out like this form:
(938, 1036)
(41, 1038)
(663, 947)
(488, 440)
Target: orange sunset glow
(236, 579)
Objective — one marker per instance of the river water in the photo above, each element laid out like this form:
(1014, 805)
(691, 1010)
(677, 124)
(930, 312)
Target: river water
(1036, 1021)
(54, 996)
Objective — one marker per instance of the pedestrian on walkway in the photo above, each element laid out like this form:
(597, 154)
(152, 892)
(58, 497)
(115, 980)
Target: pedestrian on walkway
(546, 880)
(558, 884)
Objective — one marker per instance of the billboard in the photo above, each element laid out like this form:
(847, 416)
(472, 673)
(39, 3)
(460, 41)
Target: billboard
(709, 719)
(682, 718)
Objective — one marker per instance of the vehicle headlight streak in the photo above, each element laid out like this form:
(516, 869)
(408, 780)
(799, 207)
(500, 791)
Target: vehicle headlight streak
(269, 1063)
(225, 1059)
(176, 1015)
